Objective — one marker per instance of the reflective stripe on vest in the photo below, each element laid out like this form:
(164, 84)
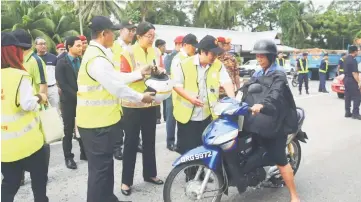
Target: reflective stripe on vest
(341, 67)
(96, 107)
(183, 109)
(304, 69)
(137, 58)
(278, 61)
(21, 135)
(322, 70)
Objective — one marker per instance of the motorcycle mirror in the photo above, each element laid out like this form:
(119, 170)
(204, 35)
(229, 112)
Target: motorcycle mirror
(255, 88)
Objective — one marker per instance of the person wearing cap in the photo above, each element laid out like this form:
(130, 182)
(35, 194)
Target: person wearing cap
(197, 81)
(127, 31)
(302, 69)
(340, 68)
(138, 116)
(22, 140)
(100, 86)
(188, 49)
(84, 42)
(60, 48)
(322, 72)
(352, 84)
(280, 60)
(168, 58)
(230, 62)
(66, 73)
(50, 61)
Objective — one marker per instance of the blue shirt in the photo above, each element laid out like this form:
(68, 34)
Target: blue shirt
(272, 68)
(75, 62)
(323, 65)
(168, 60)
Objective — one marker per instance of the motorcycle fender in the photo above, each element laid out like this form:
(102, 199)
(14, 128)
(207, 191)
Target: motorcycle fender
(209, 156)
(302, 136)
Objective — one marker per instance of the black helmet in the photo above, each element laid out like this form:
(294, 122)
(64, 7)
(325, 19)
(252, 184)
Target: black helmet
(265, 47)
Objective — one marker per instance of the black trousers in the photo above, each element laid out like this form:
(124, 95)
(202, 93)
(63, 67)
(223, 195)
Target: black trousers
(159, 115)
(68, 111)
(352, 93)
(303, 77)
(136, 120)
(119, 142)
(37, 165)
(189, 135)
(98, 145)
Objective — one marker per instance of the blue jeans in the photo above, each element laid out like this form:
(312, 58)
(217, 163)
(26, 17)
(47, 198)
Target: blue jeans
(322, 86)
(170, 123)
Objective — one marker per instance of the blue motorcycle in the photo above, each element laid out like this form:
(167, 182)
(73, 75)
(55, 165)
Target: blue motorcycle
(204, 172)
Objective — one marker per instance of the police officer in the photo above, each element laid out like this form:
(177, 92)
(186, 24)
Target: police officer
(302, 68)
(197, 82)
(22, 140)
(99, 88)
(323, 74)
(127, 31)
(280, 60)
(340, 67)
(352, 84)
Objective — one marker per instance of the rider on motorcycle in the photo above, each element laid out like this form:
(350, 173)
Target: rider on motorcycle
(266, 53)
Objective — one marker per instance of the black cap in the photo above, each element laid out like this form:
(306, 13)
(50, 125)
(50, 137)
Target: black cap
(8, 39)
(190, 39)
(264, 47)
(143, 28)
(126, 24)
(209, 43)
(325, 54)
(305, 54)
(352, 48)
(343, 54)
(100, 23)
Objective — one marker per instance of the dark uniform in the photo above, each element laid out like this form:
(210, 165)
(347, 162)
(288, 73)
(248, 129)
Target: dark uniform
(280, 62)
(341, 64)
(302, 66)
(352, 90)
(323, 74)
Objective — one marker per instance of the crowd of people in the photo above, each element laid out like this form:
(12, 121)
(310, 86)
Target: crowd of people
(99, 88)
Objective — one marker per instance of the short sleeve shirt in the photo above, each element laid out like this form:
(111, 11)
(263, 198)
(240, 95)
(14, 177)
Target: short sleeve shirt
(35, 66)
(350, 66)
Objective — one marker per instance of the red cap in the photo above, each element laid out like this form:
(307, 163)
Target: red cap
(82, 37)
(60, 45)
(178, 39)
(221, 39)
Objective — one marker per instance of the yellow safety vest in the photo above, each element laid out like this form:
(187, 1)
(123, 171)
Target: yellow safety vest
(137, 58)
(21, 135)
(304, 68)
(96, 107)
(278, 61)
(182, 57)
(183, 109)
(324, 71)
(341, 67)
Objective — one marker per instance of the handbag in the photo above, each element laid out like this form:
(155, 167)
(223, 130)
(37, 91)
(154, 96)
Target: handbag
(51, 124)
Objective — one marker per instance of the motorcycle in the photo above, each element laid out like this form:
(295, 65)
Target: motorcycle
(294, 80)
(210, 171)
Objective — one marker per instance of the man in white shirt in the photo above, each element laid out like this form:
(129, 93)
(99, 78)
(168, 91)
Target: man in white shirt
(98, 120)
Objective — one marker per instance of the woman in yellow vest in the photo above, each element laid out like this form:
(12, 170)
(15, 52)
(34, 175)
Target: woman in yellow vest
(22, 141)
(139, 117)
(197, 82)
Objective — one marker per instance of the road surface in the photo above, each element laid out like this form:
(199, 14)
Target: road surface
(329, 170)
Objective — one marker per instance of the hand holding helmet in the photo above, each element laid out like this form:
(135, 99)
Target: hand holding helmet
(147, 70)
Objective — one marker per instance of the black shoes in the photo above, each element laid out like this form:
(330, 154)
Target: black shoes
(357, 117)
(70, 163)
(158, 121)
(126, 192)
(140, 148)
(348, 115)
(118, 154)
(172, 147)
(83, 157)
(156, 182)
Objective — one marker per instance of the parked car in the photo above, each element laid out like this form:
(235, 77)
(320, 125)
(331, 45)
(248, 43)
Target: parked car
(338, 85)
(248, 68)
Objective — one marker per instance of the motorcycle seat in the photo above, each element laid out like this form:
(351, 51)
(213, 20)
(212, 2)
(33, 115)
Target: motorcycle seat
(300, 114)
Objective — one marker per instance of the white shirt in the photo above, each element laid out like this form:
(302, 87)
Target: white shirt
(201, 71)
(123, 44)
(28, 102)
(176, 60)
(113, 81)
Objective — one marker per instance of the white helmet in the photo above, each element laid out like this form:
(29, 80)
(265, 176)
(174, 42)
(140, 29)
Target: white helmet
(161, 84)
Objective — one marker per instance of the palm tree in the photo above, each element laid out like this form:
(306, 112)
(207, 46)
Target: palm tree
(295, 28)
(204, 10)
(227, 13)
(88, 9)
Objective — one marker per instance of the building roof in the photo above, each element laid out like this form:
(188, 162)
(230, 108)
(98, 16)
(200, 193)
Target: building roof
(245, 39)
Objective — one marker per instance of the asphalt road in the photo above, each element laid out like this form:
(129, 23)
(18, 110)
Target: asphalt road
(329, 170)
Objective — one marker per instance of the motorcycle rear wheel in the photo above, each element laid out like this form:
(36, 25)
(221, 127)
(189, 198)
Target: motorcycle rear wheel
(296, 160)
(178, 169)
(294, 83)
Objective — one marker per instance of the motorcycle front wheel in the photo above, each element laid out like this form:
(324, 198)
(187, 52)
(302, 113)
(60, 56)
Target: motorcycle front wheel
(294, 83)
(189, 187)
